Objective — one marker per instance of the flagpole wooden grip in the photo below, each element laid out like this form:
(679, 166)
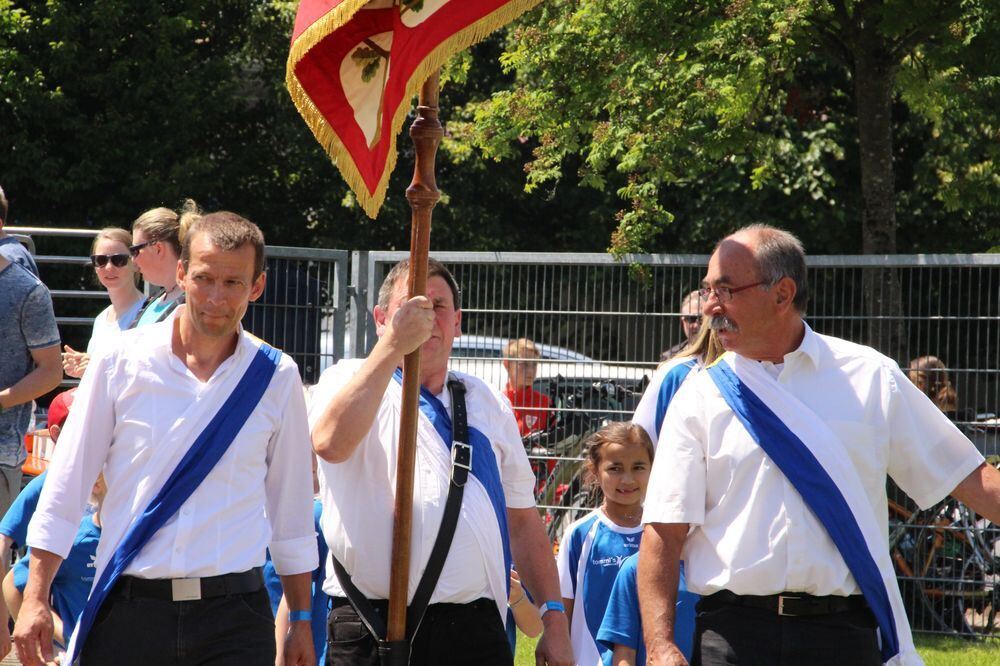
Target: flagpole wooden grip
(426, 133)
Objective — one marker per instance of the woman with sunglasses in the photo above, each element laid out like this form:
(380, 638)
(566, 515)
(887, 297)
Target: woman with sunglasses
(156, 250)
(109, 255)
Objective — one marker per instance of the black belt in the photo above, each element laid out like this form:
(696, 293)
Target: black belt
(190, 589)
(786, 603)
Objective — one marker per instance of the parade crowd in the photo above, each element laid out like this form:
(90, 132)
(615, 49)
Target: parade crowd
(201, 507)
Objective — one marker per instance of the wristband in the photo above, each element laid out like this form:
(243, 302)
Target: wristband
(519, 600)
(300, 616)
(551, 606)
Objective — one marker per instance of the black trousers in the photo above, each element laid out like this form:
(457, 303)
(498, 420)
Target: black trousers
(453, 634)
(731, 635)
(233, 630)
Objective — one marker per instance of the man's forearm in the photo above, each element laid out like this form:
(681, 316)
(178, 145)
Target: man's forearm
(38, 382)
(981, 491)
(533, 555)
(42, 568)
(297, 589)
(657, 579)
(349, 416)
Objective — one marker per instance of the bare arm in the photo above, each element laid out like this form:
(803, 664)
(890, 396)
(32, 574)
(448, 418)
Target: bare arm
(34, 630)
(658, 576)
(533, 553)
(348, 417)
(981, 491)
(5, 546)
(297, 647)
(526, 615)
(45, 377)
(623, 656)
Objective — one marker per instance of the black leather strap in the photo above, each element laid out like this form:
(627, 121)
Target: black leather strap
(461, 465)
(244, 582)
(787, 603)
(397, 652)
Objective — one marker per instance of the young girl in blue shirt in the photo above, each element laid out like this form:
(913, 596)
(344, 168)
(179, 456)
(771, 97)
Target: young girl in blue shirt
(619, 458)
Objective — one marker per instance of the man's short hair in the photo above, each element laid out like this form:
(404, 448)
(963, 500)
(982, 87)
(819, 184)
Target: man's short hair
(780, 254)
(226, 231)
(521, 348)
(3, 207)
(434, 269)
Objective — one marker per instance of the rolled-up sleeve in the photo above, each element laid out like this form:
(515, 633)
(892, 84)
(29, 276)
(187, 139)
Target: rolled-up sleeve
(78, 459)
(677, 482)
(288, 485)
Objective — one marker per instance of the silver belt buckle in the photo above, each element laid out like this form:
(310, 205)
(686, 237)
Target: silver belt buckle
(781, 605)
(186, 589)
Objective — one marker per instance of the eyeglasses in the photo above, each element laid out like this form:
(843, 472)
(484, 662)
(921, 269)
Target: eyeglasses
(135, 249)
(725, 294)
(101, 260)
(691, 319)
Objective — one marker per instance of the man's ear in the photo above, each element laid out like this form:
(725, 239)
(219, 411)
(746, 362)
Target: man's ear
(54, 431)
(784, 292)
(380, 322)
(458, 323)
(181, 273)
(258, 286)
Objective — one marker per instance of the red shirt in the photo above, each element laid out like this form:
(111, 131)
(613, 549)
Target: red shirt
(531, 409)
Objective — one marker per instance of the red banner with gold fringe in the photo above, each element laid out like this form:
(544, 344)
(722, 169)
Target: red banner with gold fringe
(355, 65)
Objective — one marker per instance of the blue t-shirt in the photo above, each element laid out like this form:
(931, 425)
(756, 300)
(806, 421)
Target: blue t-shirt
(71, 586)
(12, 250)
(27, 323)
(622, 626)
(319, 598)
(591, 553)
(15, 522)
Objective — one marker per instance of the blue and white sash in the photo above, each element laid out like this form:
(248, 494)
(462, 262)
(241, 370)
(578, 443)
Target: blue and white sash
(485, 471)
(668, 388)
(200, 459)
(814, 460)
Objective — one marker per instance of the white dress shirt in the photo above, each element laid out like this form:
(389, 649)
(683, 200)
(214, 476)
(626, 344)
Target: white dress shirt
(137, 412)
(751, 531)
(358, 494)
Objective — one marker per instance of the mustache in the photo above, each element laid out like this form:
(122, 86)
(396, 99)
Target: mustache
(723, 323)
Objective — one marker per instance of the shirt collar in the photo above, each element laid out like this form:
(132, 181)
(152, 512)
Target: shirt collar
(808, 348)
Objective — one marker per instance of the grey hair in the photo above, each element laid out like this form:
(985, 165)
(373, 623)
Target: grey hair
(780, 254)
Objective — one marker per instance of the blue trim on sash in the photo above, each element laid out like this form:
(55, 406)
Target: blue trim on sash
(819, 491)
(200, 459)
(484, 463)
(668, 387)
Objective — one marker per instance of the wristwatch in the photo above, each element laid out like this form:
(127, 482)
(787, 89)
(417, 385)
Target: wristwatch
(551, 606)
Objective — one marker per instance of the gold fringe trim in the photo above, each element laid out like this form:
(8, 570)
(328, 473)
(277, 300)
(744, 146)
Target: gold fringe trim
(324, 133)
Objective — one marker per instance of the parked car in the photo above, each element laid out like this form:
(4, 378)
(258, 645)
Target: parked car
(481, 355)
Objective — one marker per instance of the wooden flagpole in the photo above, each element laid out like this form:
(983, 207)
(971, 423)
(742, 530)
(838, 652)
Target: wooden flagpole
(426, 133)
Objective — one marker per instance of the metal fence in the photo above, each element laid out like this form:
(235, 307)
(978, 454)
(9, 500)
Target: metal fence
(602, 325)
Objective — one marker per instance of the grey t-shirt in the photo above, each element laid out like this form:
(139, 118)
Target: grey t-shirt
(12, 250)
(26, 323)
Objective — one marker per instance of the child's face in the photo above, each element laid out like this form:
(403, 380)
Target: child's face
(521, 372)
(624, 473)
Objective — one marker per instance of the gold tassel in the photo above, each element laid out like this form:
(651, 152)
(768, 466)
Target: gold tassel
(371, 203)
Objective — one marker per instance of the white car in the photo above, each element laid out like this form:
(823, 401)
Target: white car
(481, 355)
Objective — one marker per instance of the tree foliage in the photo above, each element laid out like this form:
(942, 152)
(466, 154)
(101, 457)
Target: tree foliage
(702, 115)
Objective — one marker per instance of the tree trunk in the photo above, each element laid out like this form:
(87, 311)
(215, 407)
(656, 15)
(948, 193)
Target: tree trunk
(874, 71)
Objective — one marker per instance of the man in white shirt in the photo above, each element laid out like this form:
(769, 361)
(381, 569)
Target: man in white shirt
(778, 585)
(355, 418)
(193, 594)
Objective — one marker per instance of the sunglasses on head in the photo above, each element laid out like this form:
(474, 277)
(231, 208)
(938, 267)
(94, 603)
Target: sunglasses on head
(101, 260)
